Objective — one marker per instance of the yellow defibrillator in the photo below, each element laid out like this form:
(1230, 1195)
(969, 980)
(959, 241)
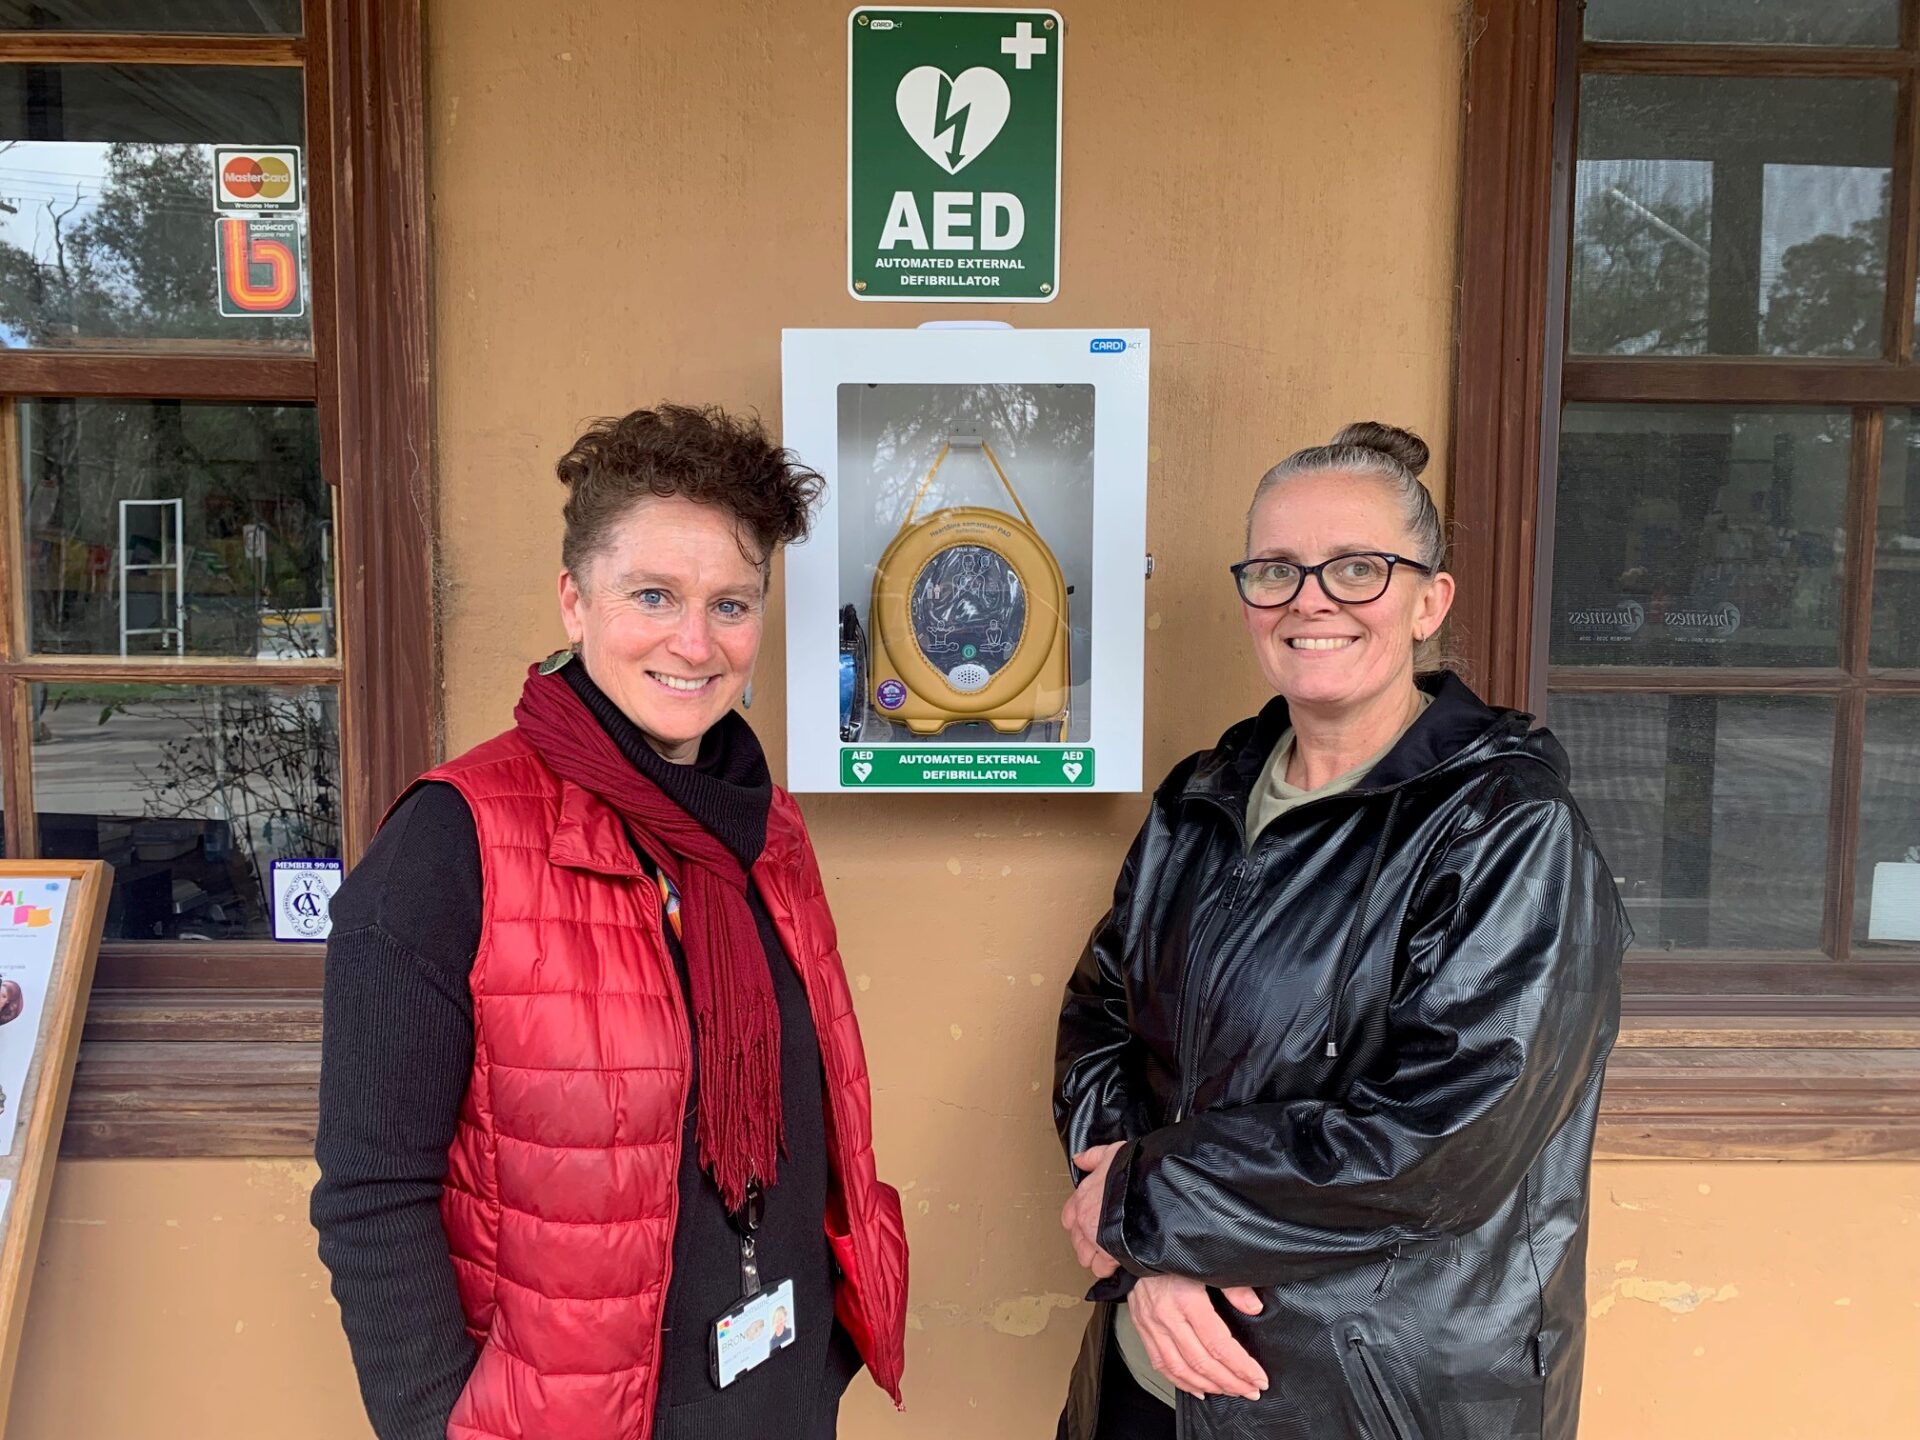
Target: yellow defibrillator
(969, 617)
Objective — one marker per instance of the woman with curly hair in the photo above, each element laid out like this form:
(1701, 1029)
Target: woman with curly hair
(593, 1103)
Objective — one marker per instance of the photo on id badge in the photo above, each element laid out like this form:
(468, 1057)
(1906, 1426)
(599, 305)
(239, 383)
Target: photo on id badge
(749, 1333)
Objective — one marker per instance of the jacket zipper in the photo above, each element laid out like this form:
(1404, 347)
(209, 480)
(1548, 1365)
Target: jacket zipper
(837, 1117)
(683, 1031)
(1186, 1026)
(1377, 1386)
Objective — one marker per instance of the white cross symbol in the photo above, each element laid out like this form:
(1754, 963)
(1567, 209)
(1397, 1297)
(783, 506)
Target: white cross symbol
(1023, 45)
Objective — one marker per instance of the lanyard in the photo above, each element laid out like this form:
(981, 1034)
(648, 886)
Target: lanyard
(747, 1221)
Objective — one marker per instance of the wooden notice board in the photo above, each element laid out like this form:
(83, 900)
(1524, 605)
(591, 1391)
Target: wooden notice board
(51, 916)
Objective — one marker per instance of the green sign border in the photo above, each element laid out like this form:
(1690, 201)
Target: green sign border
(1059, 130)
(891, 767)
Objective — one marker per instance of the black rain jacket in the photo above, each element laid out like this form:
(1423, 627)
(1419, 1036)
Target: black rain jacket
(1359, 1070)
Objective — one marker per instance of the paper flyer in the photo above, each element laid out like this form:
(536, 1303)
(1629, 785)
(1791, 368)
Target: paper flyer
(31, 908)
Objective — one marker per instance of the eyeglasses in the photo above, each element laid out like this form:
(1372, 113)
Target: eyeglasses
(1353, 579)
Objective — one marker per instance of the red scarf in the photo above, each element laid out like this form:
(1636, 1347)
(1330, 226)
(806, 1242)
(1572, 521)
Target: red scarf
(736, 1018)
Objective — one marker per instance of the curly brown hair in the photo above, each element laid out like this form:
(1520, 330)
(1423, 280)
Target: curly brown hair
(699, 451)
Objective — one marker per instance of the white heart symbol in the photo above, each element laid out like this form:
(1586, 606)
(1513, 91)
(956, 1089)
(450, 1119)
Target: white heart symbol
(1071, 770)
(953, 120)
(861, 770)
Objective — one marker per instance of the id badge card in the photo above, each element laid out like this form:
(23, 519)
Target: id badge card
(751, 1333)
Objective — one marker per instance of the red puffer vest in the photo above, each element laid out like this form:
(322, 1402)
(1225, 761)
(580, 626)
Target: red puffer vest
(560, 1195)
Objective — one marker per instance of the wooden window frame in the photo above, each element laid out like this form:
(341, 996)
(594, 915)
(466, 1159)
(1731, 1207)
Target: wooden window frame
(1722, 1055)
(196, 1048)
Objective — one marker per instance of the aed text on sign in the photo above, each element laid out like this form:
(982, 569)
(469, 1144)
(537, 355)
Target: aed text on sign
(1002, 221)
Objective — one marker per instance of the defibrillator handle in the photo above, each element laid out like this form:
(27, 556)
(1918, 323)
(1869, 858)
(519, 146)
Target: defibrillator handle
(992, 459)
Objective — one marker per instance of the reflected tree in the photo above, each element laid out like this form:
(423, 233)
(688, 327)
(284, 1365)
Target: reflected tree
(1008, 417)
(1640, 278)
(133, 262)
(1828, 296)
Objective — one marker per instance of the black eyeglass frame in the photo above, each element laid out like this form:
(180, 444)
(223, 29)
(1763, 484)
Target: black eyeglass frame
(1313, 571)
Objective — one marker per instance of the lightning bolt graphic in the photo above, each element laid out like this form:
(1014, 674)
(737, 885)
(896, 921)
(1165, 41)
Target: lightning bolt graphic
(956, 120)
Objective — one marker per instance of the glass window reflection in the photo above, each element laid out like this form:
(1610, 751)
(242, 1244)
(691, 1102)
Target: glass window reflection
(1895, 642)
(154, 17)
(170, 527)
(106, 174)
(1886, 911)
(1711, 811)
(1746, 22)
(1699, 535)
(1730, 215)
(190, 793)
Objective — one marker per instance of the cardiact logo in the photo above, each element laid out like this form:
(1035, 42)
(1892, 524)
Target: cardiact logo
(1107, 345)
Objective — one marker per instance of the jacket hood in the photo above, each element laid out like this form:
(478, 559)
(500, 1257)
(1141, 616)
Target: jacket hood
(1457, 730)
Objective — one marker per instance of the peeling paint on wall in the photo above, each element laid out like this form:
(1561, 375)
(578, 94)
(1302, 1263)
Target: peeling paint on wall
(1029, 1314)
(1675, 1295)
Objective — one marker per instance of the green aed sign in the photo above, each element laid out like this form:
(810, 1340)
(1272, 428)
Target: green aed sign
(940, 768)
(953, 154)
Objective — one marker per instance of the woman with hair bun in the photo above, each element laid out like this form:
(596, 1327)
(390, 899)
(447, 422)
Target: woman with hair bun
(1328, 1071)
(593, 1108)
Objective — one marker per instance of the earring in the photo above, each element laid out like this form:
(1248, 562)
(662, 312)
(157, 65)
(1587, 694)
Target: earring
(746, 700)
(557, 660)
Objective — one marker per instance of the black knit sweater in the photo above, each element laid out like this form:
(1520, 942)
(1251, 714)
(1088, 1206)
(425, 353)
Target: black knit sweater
(396, 1059)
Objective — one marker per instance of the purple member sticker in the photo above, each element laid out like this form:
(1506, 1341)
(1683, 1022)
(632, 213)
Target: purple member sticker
(891, 694)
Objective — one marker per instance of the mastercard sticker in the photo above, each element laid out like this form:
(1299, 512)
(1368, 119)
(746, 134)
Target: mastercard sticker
(250, 179)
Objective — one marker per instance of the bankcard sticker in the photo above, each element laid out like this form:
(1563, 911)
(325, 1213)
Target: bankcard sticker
(260, 269)
(302, 892)
(248, 179)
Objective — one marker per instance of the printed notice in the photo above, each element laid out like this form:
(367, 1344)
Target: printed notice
(303, 893)
(30, 912)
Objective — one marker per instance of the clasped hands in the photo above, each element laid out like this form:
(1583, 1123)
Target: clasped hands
(1186, 1339)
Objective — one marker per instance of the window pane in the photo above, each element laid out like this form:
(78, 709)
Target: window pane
(1711, 810)
(1699, 535)
(202, 17)
(1896, 558)
(1747, 22)
(1886, 907)
(108, 170)
(191, 793)
(162, 527)
(1730, 216)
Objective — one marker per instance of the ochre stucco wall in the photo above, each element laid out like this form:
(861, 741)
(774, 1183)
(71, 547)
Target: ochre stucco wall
(182, 1300)
(628, 203)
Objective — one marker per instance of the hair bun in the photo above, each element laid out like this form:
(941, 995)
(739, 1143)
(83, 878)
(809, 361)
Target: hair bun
(1401, 445)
